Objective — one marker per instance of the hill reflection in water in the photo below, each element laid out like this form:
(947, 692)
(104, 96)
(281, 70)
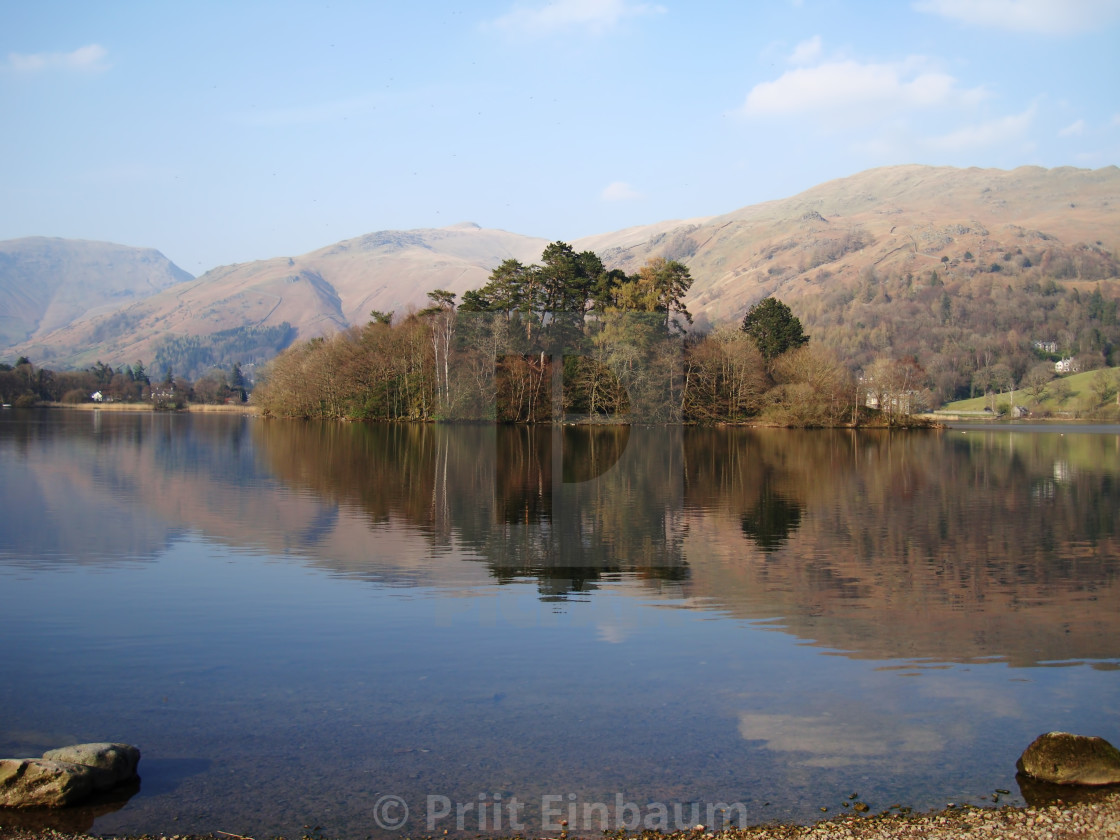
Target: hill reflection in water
(1005, 542)
(951, 546)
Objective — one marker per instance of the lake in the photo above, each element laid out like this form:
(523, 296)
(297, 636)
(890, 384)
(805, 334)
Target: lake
(400, 630)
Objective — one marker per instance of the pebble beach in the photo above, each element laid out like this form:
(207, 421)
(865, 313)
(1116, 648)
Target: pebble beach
(1098, 819)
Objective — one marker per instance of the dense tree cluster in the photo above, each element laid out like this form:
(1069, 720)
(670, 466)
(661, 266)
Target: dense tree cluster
(564, 339)
(554, 300)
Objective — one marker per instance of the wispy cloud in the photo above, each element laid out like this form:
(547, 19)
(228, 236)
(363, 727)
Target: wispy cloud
(1047, 17)
(998, 132)
(847, 87)
(88, 59)
(593, 16)
(807, 51)
(1074, 129)
(890, 111)
(619, 191)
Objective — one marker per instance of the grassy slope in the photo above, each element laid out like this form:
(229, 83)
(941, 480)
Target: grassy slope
(1080, 401)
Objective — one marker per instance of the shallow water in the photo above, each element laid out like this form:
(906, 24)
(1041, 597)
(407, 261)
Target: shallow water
(298, 622)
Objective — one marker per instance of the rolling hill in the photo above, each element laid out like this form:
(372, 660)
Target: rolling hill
(848, 239)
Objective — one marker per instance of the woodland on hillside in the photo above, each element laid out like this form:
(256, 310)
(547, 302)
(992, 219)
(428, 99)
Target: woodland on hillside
(973, 326)
(195, 356)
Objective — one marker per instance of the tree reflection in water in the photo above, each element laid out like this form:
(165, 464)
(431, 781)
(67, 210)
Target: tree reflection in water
(859, 540)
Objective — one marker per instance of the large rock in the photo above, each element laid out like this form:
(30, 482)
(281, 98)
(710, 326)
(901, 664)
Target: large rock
(41, 783)
(65, 776)
(111, 763)
(1067, 759)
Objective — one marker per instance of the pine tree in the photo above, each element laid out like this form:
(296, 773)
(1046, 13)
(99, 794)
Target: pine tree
(774, 328)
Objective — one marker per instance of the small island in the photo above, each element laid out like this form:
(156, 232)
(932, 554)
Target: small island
(569, 341)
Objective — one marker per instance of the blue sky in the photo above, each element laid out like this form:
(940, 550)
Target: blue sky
(222, 132)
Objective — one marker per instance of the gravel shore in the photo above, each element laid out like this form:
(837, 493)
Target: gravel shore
(1094, 820)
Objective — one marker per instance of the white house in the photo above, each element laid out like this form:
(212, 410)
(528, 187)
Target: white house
(1066, 366)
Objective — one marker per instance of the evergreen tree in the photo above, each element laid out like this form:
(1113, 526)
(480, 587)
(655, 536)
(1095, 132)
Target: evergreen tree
(774, 328)
(237, 382)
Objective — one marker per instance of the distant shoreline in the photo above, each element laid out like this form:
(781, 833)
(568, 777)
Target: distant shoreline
(917, 421)
(201, 408)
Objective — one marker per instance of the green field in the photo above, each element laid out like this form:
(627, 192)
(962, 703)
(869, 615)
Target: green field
(1075, 395)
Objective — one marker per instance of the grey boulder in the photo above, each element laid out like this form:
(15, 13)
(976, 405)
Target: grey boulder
(111, 763)
(1067, 759)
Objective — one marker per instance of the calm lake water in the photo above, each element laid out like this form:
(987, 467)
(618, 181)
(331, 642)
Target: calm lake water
(320, 626)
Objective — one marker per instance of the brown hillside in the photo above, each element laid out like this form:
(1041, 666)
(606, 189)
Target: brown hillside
(901, 219)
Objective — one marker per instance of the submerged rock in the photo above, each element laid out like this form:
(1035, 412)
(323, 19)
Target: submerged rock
(65, 776)
(1039, 794)
(1067, 759)
(41, 783)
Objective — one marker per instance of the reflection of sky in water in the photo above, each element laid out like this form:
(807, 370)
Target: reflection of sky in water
(285, 657)
(312, 692)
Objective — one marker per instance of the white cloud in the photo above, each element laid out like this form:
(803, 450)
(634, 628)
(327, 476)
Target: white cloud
(1000, 132)
(619, 191)
(839, 740)
(1075, 129)
(595, 16)
(90, 58)
(614, 633)
(845, 86)
(807, 51)
(1048, 17)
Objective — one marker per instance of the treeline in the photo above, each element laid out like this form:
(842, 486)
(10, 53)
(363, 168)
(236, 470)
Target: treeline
(977, 324)
(24, 384)
(565, 340)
